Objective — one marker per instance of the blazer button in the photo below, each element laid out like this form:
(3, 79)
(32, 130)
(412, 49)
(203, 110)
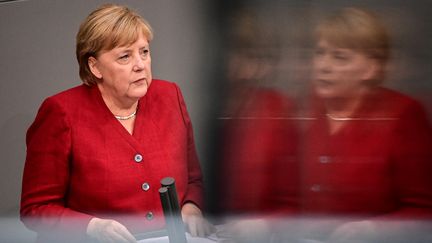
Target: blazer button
(138, 158)
(324, 159)
(316, 188)
(149, 216)
(145, 186)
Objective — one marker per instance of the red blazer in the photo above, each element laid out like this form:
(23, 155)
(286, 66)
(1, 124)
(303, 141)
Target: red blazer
(258, 155)
(82, 163)
(378, 164)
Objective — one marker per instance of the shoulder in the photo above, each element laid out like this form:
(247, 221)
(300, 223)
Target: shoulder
(274, 97)
(164, 91)
(396, 101)
(269, 102)
(158, 85)
(53, 112)
(68, 101)
(406, 109)
(70, 98)
(76, 92)
(165, 97)
(395, 96)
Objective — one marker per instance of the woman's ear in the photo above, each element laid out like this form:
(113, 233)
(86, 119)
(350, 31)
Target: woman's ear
(92, 63)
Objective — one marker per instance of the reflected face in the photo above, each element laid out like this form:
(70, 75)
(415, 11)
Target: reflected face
(125, 71)
(340, 72)
(247, 66)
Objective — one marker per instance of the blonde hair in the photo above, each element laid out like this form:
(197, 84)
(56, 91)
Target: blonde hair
(357, 29)
(105, 28)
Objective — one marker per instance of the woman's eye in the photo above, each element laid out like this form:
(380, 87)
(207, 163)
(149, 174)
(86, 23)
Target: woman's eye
(341, 57)
(144, 52)
(124, 57)
(319, 52)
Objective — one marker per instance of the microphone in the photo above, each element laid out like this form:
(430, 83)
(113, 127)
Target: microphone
(171, 209)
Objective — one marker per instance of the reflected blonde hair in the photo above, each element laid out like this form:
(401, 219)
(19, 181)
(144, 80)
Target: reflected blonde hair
(356, 29)
(107, 27)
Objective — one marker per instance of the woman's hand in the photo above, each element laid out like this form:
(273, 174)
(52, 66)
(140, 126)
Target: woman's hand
(357, 231)
(107, 230)
(248, 230)
(195, 222)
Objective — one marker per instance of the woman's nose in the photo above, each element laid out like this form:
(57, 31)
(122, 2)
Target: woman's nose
(139, 64)
(322, 64)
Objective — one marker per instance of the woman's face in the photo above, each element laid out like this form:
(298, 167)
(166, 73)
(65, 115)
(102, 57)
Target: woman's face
(340, 72)
(125, 70)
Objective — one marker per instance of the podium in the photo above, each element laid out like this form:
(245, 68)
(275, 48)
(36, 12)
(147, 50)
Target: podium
(174, 231)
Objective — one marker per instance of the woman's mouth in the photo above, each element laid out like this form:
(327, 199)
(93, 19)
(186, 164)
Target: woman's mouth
(323, 82)
(140, 81)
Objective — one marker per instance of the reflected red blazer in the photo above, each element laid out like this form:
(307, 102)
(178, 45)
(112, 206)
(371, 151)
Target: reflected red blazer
(82, 163)
(378, 164)
(259, 169)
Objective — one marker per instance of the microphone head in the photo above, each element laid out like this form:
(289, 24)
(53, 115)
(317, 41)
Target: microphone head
(167, 181)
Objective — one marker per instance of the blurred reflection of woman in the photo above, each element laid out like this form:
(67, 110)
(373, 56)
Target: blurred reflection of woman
(368, 152)
(258, 137)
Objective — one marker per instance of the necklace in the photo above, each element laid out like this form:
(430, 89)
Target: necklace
(361, 118)
(126, 117)
(339, 118)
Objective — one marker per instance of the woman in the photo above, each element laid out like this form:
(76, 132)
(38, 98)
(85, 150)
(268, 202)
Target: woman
(258, 137)
(96, 153)
(368, 151)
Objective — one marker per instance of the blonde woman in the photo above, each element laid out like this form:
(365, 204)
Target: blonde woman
(96, 153)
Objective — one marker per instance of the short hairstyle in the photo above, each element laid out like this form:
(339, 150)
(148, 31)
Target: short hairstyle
(357, 29)
(107, 27)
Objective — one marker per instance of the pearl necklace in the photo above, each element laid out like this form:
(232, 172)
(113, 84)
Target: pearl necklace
(361, 118)
(126, 117)
(339, 118)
